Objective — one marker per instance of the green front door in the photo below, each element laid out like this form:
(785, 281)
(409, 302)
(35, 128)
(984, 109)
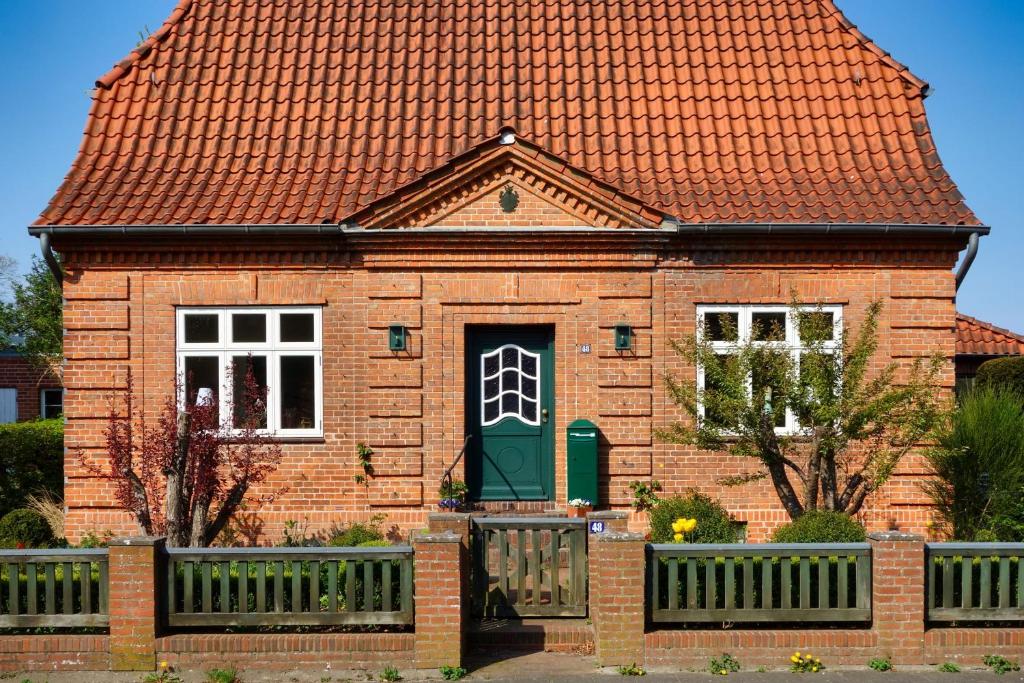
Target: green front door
(510, 412)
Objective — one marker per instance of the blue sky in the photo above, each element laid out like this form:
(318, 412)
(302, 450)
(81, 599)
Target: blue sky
(969, 50)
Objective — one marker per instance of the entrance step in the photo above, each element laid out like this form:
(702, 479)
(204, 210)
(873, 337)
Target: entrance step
(548, 635)
(510, 508)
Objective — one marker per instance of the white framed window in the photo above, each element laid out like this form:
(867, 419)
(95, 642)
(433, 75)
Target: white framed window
(51, 403)
(281, 346)
(727, 328)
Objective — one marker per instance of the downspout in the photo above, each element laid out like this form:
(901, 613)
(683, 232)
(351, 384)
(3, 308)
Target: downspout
(51, 259)
(965, 265)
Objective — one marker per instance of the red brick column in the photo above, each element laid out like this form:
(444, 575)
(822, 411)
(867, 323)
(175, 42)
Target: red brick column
(613, 519)
(617, 571)
(441, 568)
(897, 595)
(137, 568)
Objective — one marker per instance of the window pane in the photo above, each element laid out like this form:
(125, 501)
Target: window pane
(816, 326)
(721, 326)
(249, 327)
(298, 392)
(202, 378)
(249, 391)
(201, 328)
(715, 397)
(768, 326)
(53, 403)
(297, 327)
(773, 403)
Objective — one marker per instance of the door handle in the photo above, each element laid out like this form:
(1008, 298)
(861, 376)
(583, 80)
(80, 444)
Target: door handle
(544, 415)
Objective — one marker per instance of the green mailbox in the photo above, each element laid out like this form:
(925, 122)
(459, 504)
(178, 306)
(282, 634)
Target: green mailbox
(582, 460)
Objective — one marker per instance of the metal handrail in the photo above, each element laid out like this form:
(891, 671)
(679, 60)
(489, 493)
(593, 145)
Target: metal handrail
(446, 478)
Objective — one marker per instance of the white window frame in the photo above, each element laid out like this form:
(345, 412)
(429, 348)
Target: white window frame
(43, 403)
(791, 343)
(273, 349)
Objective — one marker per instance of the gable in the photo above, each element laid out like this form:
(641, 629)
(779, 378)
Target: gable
(467, 193)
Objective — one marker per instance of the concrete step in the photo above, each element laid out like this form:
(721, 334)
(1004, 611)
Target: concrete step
(548, 635)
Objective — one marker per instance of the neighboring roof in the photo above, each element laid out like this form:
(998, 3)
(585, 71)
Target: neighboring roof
(978, 338)
(309, 111)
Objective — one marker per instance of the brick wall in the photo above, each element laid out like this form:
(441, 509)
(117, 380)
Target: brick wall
(408, 406)
(17, 373)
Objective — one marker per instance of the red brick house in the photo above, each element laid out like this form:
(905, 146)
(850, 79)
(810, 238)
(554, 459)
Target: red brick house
(27, 392)
(432, 220)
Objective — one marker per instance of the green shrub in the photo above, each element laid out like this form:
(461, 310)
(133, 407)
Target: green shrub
(999, 664)
(880, 664)
(978, 463)
(25, 529)
(356, 534)
(31, 461)
(821, 526)
(1002, 373)
(713, 522)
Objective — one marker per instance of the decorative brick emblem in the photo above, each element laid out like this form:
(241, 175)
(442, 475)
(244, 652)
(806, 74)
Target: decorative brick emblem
(509, 199)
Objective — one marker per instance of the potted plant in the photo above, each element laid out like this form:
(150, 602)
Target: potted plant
(452, 496)
(579, 507)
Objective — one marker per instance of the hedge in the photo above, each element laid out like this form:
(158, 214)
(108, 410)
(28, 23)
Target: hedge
(1005, 373)
(31, 460)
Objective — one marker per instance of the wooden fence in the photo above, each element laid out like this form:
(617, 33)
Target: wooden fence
(822, 583)
(975, 582)
(529, 566)
(53, 588)
(289, 586)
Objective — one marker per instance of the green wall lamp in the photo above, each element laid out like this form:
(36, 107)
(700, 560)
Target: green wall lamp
(396, 337)
(623, 338)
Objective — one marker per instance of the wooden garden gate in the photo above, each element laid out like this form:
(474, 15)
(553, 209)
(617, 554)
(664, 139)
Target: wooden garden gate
(529, 567)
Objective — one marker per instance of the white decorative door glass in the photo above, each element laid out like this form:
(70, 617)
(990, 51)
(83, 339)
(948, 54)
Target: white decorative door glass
(510, 385)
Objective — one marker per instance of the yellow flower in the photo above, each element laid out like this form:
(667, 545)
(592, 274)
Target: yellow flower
(797, 654)
(724, 672)
(678, 538)
(689, 525)
(817, 661)
(814, 669)
(677, 526)
(163, 665)
(794, 659)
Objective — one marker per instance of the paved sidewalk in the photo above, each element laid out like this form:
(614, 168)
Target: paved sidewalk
(545, 667)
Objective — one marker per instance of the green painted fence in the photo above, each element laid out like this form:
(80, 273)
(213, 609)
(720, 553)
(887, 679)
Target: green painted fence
(289, 586)
(741, 583)
(975, 582)
(53, 588)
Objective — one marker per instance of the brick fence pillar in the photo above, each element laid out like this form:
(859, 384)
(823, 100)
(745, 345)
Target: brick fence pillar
(617, 575)
(456, 522)
(613, 520)
(136, 575)
(897, 595)
(441, 568)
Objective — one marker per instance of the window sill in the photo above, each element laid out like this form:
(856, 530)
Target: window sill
(285, 440)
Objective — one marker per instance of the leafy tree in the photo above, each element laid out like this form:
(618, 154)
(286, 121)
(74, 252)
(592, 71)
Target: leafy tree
(33, 322)
(188, 473)
(978, 463)
(856, 423)
(1005, 373)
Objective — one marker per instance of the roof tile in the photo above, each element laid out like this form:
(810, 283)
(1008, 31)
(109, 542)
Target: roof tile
(979, 338)
(259, 111)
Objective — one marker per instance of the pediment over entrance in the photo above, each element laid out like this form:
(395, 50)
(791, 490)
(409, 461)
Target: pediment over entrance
(508, 185)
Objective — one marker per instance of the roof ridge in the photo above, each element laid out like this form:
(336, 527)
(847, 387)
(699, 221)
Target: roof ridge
(107, 80)
(833, 9)
(995, 328)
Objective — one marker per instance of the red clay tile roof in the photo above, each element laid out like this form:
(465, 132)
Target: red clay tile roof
(305, 111)
(979, 338)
